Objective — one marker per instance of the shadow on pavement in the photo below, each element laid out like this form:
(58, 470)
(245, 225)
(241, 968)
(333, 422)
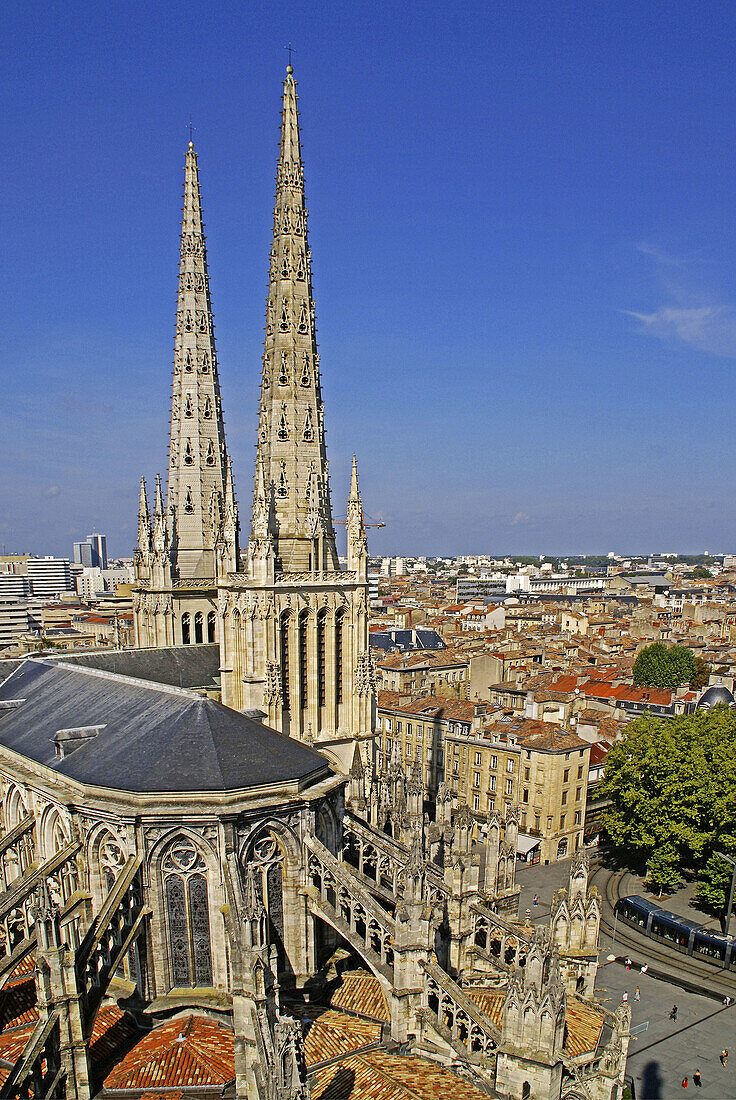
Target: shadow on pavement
(651, 1083)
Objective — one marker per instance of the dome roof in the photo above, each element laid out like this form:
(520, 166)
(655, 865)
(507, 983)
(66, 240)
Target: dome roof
(714, 695)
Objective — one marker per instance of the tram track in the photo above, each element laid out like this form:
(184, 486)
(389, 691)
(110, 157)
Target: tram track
(662, 962)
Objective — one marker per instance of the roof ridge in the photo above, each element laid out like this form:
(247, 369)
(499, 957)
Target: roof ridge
(168, 689)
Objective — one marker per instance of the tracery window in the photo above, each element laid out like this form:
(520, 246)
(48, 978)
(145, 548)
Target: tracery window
(188, 502)
(207, 411)
(303, 661)
(188, 362)
(186, 636)
(184, 874)
(188, 408)
(205, 362)
(321, 651)
(266, 858)
(198, 627)
(188, 454)
(284, 642)
(306, 377)
(284, 372)
(339, 617)
(210, 456)
(211, 627)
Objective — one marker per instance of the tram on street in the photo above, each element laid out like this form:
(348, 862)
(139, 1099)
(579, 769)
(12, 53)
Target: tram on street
(677, 932)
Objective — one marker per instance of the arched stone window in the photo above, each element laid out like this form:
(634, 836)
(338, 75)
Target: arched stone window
(339, 654)
(186, 897)
(211, 627)
(111, 860)
(207, 410)
(284, 622)
(526, 1091)
(321, 658)
(266, 857)
(186, 636)
(303, 660)
(199, 627)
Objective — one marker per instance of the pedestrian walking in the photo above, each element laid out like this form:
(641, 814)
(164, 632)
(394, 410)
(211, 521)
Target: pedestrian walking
(724, 1057)
(637, 994)
(684, 1082)
(643, 969)
(625, 998)
(697, 1079)
(627, 963)
(534, 900)
(673, 1013)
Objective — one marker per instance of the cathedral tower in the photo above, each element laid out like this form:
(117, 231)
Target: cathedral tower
(183, 546)
(291, 441)
(294, 626)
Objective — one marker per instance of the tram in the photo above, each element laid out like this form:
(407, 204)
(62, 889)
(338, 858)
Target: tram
(678, 932)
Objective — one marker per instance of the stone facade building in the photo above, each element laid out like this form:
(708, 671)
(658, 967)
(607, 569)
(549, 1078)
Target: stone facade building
(240, 900)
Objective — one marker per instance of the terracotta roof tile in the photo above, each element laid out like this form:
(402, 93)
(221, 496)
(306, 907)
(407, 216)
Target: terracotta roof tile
(360, 992)
(186, 1052)
(331, 1034)
(382, 1076)
(584, 1024)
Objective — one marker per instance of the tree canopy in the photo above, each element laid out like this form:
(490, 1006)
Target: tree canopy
(666, 667)
(671, 783)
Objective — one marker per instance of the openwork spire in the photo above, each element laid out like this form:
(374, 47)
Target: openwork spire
(197, 452)
(291, 444)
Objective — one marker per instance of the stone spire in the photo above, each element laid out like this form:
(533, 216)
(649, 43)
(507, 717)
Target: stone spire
(291, 443)
(355, 525)
(197, 451)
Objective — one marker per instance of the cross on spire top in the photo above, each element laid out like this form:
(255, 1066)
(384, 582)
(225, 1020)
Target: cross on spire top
(290, 50)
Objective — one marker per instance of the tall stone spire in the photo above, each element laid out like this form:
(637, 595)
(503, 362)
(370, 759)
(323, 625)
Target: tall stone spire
(197, 451)
(291, 443)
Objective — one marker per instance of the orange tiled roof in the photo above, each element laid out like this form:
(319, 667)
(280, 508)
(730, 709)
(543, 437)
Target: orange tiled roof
(489, 1001)
(584, 1024)
(12, 1045)
(186, 1052)
(381, 1076)
(18, 1003)
(332, 1034)
(361, 992)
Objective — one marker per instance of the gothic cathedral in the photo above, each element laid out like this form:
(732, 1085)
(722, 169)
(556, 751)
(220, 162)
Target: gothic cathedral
(292, 627)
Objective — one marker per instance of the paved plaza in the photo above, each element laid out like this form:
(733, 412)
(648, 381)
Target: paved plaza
(662, 1051)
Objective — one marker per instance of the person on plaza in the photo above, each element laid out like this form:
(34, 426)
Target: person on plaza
(684, 1082)
(534, 900)
(724, 1057)
(697, 1079)
(673, 1013)
(727, 1000)
(643, 969)
(637, 994)
(625, 997)
(627, 963)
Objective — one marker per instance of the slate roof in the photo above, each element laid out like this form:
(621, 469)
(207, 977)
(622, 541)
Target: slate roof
(149, 737)
(186, 666)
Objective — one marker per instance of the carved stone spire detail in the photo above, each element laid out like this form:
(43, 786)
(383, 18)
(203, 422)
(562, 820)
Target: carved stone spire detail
(291, 443)
(197, 451)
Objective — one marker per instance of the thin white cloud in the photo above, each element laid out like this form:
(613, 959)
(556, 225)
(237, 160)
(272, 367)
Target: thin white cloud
(52, 491)
(520, 517)
(707, 328)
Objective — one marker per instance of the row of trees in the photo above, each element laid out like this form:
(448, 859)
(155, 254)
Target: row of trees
(667, 667)
(671, 783)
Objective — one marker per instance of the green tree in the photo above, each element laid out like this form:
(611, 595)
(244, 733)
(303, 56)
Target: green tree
(701, 573)
(671, 785)
(665, 667)
(701, 675)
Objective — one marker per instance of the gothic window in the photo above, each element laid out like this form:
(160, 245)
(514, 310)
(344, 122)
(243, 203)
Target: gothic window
(198, 621)
(303, 660)
(188, 281)
(188, 502)
(284, 643)
(204, 362)
(297, 222)
(285, 320)
(188, 362)
(188, 407)
(286, 221)
(308, 434)
(185, 631)
(187, 914)
(211, 626)
(339, 617)
(188, 453)
(266, 859)
(285, 266)
(210, 456)
(201, 321)
(111, 859)
(283, 487)
(188, 323)
(207, 410)
(303, 319)
(300, 271)
(321, 652)
(283, 432)
(284, 372)
(199, 281)
(306, 377)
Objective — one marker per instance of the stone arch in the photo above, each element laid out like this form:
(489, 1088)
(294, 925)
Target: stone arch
(106, 855)
(386, 985)
(272, 852)
(15, 807)
(54, 830)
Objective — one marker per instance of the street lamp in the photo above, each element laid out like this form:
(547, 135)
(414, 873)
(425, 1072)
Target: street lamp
(732, 861)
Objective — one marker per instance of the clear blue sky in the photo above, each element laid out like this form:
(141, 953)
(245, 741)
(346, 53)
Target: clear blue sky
(524, 245)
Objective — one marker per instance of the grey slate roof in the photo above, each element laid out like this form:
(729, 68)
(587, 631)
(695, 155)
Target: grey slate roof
(153, 738)
(187, 666)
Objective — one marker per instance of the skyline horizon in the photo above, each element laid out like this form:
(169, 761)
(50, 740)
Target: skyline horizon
(549, 316)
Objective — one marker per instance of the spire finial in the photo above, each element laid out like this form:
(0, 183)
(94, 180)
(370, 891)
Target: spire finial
(290, 50)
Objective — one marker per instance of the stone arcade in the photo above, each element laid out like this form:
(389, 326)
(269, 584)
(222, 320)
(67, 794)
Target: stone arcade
(201, 899)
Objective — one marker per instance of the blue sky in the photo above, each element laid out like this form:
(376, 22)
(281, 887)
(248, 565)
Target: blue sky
(524, 248)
